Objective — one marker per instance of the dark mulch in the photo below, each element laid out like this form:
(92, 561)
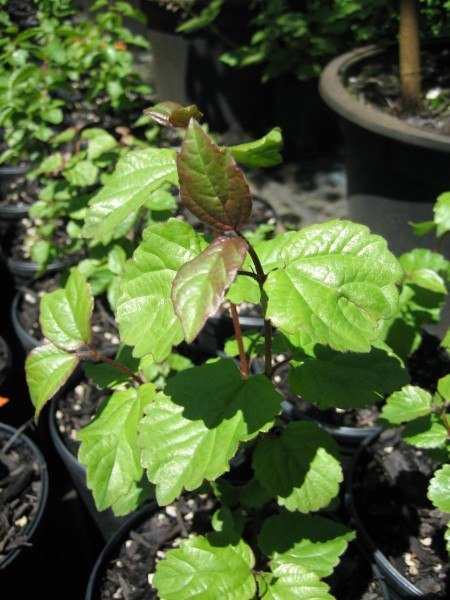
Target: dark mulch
(391, 495)
(129, 572)
(378, 85)
(19, 192)
(20, 491)
(104, 326)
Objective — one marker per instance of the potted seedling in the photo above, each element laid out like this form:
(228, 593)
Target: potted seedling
(335, 281)
(396, 157)
(410, 469)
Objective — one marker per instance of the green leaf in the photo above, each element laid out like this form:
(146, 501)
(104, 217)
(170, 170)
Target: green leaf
(264, 152)
(212, 186)
(200, 284)
(446, 341)
(310, 541)
(423, 228)
(40, 252)
(253, 495)
(442, 213)
(439, 489)
(337, 283)
(444, 387)
(425, 432)
(426, 269)
(334, 379)
(109, 447)
(137, 175)
(194, 428)
(99, 142)
(253, 342)
(83, 174)
(206, 568)
(302, 467)
(47, 369)
(145, 311)
(408, 404)
(172, 114)
(117, 257)
(203, 18)
(65, 313)
(292, 582)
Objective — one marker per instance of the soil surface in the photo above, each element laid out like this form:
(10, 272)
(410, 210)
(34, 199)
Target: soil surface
(18, 191)
(129, 573)
(104, 327)
(18, 242)
(20, 491)
(391, 497)
(378, 85)
(76, 409)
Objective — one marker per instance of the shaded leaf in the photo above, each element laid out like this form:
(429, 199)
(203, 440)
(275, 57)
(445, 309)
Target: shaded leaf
(145, 311)
(192, 430)
(82, 174)
(307, 540)
(137, 175)
(212, 186)
(172, 114)
(200, 284)
(108, 376)
(65, 313)
(337, 283)
(207, 568)
(99, 142)
(47, 368)
(301, 467)
(334, 379)
(425, 432)
(109, 448)
(426, 269)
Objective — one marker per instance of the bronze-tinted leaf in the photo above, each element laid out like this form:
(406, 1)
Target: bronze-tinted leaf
(172, 114)
(212, 186)
(200, 284)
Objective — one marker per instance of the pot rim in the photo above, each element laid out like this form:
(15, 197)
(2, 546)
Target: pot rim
(43, 496)
(334, 93)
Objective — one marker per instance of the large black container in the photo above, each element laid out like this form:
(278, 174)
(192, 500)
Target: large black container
(8, 212)
(395, 171)
(16, 563)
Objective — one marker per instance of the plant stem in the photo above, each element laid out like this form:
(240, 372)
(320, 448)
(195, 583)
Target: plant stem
(249, 274)
(445, 420)
(99, 356)
(240, 343)
(261, 278)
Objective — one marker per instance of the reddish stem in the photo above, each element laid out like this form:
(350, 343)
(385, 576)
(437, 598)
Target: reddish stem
(240, 343)
(99, 356)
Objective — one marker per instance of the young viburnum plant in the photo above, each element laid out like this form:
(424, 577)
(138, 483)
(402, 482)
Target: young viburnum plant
(426, 425)
(333, 282)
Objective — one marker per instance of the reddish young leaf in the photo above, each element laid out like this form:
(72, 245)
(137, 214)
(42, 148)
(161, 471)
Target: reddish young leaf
(172, 114)
(212, 186)
(200, 284)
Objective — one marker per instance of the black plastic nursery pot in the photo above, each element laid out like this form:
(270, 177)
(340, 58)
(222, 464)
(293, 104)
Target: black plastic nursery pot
(188, 70)
(25, 271)
(19, 560)
(395, 170)
(5, 360)
(105, 521)
(9, 213)
(349, 438)
(400, 587)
